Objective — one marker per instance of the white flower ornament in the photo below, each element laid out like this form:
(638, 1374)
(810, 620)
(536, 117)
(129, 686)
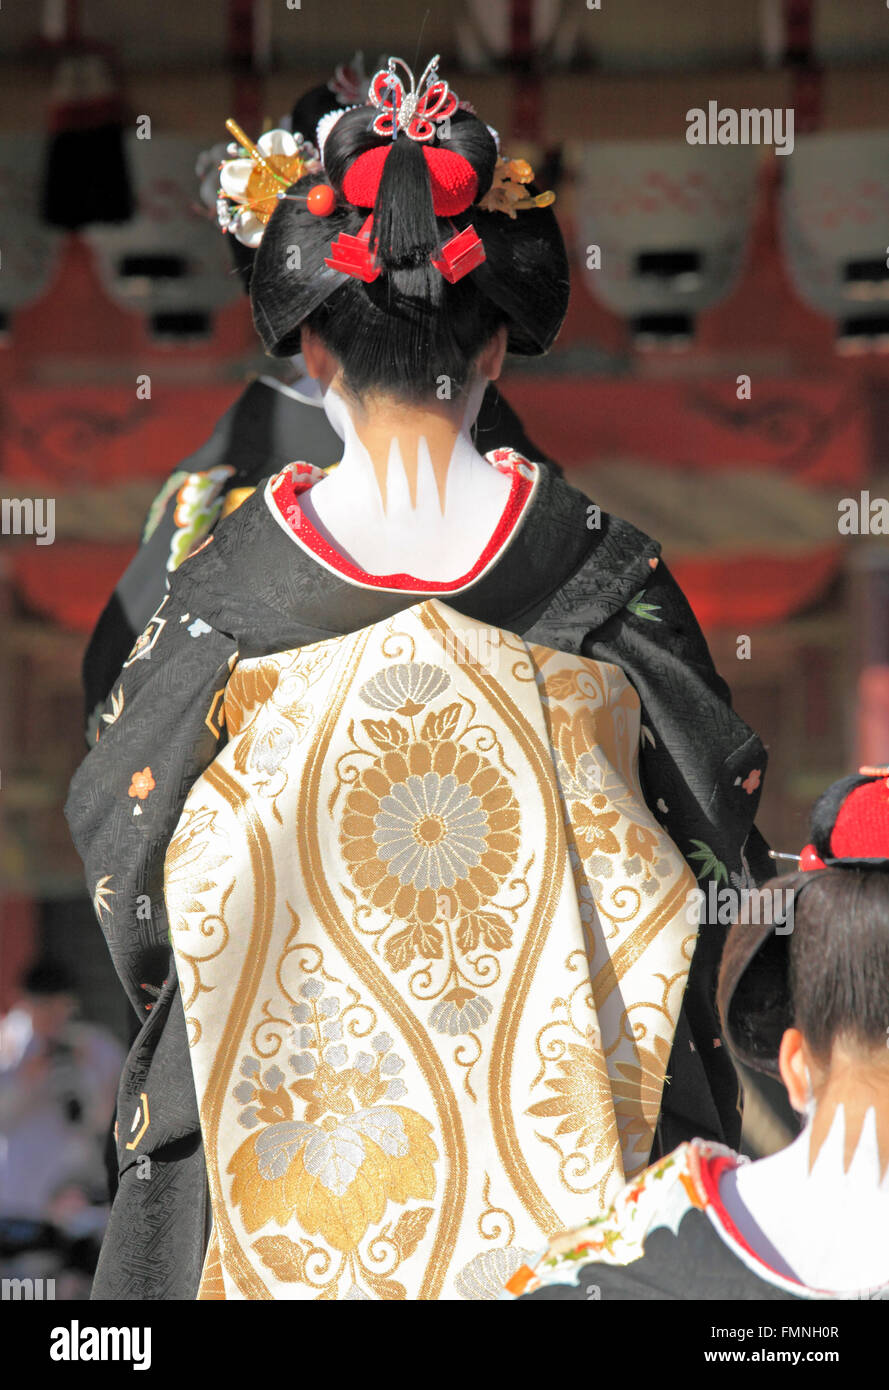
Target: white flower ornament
(257, 178)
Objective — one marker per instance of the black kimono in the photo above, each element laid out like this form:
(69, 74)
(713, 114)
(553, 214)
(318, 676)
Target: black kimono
(597, 591)
(255, 438)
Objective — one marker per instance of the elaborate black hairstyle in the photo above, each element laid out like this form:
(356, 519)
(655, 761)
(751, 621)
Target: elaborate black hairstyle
(405, 330)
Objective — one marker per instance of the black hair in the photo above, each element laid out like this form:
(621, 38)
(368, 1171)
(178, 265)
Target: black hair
(308, 109)
(828, 977)
(839, 959)
(404, 331)
(47, 978)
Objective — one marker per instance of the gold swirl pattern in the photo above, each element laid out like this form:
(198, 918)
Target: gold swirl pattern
(433, 946)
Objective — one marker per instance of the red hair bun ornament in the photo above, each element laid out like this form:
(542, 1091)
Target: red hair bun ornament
(416, 110)
(452, 178)
(850, 824)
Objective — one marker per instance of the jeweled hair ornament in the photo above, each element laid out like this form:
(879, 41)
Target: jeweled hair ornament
(254, 181)
(415, 111)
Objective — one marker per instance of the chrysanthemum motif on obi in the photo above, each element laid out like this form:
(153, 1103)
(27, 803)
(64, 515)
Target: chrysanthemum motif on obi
(432, 947)
(428, 815)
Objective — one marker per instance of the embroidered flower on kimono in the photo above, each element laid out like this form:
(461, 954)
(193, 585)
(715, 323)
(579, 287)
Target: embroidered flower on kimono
(599, 866)
(582, 1101)
(638, 1086)
(334, 1170)
(752, 781)
(142, 783)
(641, 840)
(270, 747)
(335, 1179)
(405, 688)
(582, 777)
(264, 1096)
(586, 904)
(593, 825)
(425, 818)
(459, 1012)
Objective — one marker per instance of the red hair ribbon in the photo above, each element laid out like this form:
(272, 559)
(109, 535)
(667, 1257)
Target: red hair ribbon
(452, 177)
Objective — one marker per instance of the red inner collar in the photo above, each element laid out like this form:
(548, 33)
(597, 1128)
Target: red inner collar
(297, 478)
(711, 1171)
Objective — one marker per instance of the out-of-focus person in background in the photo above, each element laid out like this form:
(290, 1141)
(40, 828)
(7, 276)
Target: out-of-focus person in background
(58, 1081)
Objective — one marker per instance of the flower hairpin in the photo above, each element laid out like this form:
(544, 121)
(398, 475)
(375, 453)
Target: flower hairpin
(417, 111)
(256, 178)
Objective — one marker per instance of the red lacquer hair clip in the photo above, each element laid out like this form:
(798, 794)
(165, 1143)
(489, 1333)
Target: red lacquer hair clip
(351, 255)
(463, 253)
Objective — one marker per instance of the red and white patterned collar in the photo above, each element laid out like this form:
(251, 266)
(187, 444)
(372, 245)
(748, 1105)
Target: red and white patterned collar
(282, 493)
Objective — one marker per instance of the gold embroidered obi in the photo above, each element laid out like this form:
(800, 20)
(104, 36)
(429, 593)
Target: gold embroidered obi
(432, 947)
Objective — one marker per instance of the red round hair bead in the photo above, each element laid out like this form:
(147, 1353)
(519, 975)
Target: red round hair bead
(321, 200)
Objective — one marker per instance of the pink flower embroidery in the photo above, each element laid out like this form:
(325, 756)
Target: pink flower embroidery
(752, 781)
(142, 783)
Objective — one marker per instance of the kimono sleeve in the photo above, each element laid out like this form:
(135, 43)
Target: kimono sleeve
(701, 769)
(701, 765)
(159, 729)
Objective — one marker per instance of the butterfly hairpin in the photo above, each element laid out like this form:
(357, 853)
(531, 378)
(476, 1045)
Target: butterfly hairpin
(416, 110)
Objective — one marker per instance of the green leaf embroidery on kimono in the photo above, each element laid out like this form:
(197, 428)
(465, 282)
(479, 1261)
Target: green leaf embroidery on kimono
(711, 867)
(643, 610)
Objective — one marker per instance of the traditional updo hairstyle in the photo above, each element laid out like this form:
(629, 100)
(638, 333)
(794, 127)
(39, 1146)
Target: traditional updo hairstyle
(402, 332)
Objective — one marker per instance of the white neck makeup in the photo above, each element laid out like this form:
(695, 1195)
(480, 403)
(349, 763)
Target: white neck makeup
(829, 1222)
(411, 494)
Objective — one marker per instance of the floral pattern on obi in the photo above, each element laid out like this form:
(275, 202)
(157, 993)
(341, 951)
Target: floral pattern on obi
(432, 947)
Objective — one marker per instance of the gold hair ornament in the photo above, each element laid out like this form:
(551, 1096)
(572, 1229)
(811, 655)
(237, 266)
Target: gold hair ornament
(507, 192)
(256, 178)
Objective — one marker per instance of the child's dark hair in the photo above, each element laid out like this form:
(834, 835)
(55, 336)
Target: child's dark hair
(405, 331)
(829, 976)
